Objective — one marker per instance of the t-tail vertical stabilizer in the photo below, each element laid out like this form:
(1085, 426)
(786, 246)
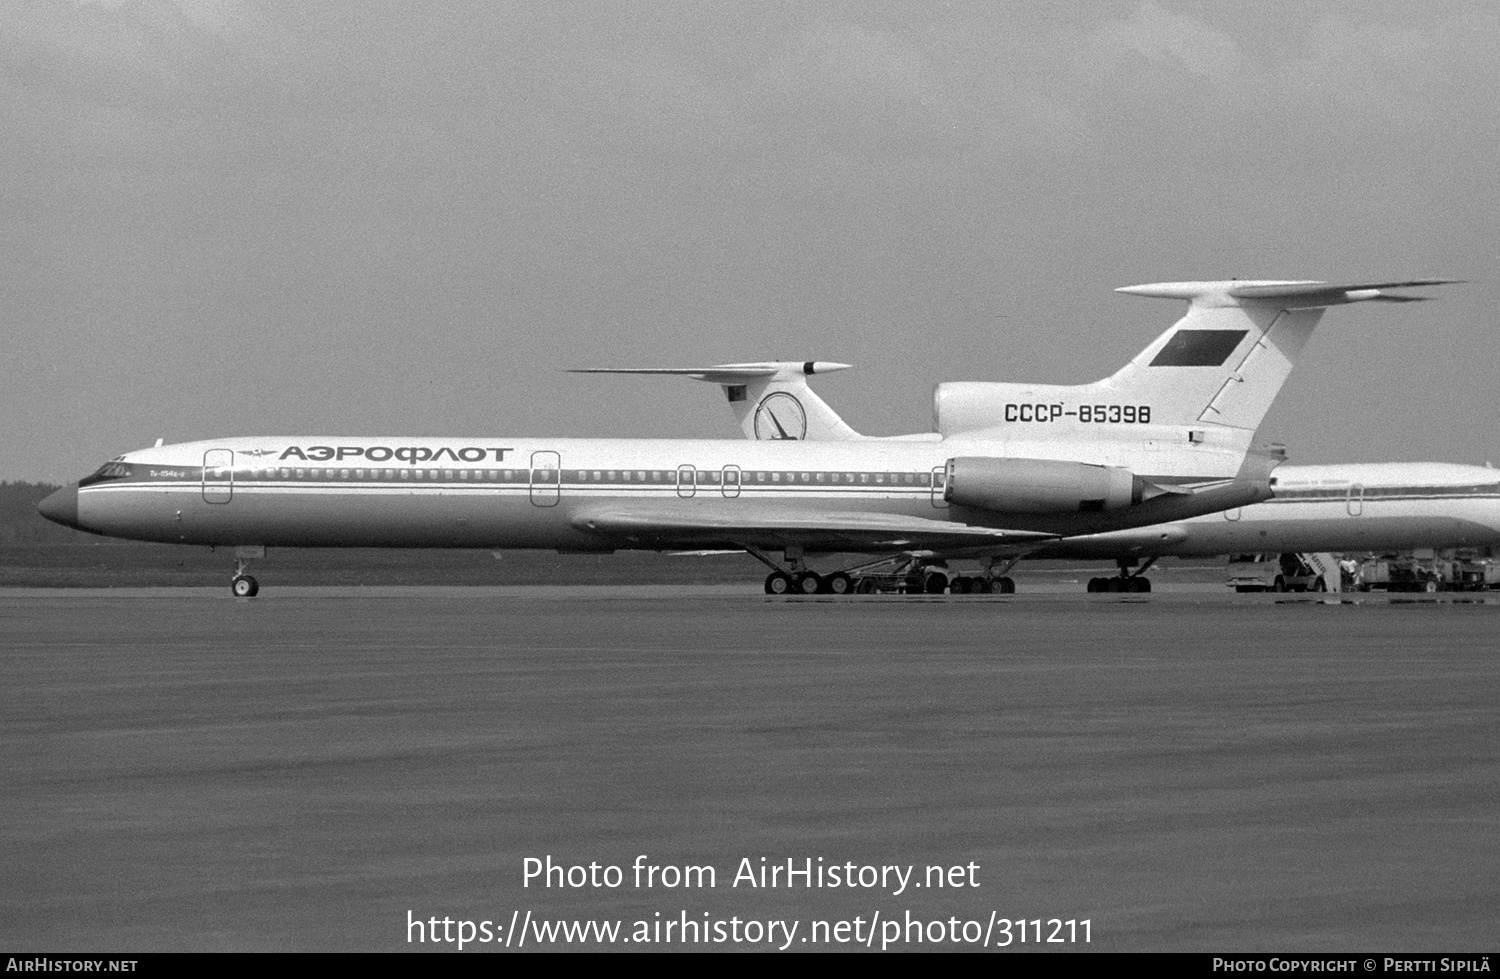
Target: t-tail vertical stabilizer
(1189, 403)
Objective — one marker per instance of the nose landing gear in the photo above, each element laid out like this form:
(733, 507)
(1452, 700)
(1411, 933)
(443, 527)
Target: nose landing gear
(242, 584)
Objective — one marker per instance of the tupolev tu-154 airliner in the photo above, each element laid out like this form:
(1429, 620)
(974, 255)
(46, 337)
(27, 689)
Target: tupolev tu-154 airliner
(1165, 438)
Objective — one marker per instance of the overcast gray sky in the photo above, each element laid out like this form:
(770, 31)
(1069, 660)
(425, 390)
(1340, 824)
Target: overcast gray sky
(233, 217)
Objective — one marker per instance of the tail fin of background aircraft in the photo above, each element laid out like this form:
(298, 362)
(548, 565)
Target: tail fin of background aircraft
(1220, 365)
(770, 400)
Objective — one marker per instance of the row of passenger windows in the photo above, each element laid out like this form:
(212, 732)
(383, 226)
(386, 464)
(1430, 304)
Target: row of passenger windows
(1339, 493)
(713, 477)
(700, 477)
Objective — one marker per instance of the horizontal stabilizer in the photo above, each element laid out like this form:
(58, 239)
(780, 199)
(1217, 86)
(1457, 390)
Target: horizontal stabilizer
(725, 373)
(1289, 294)
(769, 399)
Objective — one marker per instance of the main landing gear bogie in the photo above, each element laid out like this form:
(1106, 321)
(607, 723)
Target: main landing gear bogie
(840, 583)
(1129, 585)
(909, 578)
(1127, 581)
(808, 583)
(967, 585)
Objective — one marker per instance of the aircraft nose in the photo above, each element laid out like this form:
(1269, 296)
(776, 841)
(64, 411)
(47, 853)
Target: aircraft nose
(61, 506)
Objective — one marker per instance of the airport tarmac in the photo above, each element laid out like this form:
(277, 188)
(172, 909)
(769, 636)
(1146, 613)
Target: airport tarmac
(316, 768)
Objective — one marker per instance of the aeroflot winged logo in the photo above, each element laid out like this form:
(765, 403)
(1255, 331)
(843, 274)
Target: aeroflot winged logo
(780, 416)
(411, 454)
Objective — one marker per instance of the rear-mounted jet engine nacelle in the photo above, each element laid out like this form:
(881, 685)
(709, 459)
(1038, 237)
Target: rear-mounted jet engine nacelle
(1039, 486)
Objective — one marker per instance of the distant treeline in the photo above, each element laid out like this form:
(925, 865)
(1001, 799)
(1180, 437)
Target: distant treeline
(21, 524)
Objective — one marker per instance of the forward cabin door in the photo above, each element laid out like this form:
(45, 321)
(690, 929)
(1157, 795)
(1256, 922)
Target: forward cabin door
(546, 478)
(218, 475)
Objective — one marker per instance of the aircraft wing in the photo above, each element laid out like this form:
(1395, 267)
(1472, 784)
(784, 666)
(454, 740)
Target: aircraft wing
(775, 527)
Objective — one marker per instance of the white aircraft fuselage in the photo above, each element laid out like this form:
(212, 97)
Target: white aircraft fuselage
(580, 494)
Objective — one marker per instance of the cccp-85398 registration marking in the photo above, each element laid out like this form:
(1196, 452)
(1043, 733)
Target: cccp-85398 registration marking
(1091, 414)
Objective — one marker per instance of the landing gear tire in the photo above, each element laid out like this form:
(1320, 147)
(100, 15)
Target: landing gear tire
(983, 586)
(778, 583)
(807, 583)
(935, 583)
(1139, 585)
(959, 586)
(1320, 586)
(1006, 585)
(864, 586)
(838, 583)
(244, 586)
(1280, 584)
(1429, 586)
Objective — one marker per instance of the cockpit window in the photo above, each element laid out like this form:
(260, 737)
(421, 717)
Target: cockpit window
(110, 470)
(115, 470)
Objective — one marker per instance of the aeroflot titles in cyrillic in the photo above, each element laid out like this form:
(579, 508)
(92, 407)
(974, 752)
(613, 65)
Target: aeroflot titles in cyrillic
(411, 454)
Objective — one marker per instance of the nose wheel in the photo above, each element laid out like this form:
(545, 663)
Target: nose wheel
(243, 585)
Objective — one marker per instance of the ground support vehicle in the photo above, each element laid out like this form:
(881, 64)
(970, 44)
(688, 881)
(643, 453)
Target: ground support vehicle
(1423, 571)
(1278, 572)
